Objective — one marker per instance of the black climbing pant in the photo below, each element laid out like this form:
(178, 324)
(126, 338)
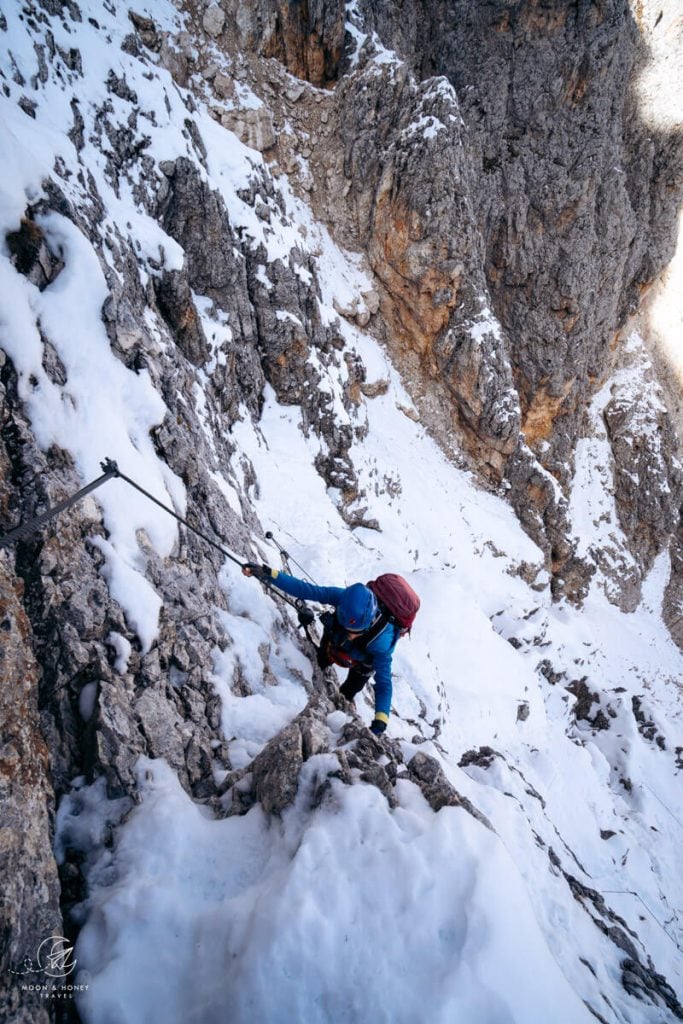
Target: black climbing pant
(324, 660)
(355, 681)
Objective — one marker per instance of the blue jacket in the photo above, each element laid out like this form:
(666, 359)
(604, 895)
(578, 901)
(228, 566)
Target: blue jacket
(378, 653)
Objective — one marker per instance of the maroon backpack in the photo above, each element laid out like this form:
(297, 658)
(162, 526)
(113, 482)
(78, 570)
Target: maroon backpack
(397, 598)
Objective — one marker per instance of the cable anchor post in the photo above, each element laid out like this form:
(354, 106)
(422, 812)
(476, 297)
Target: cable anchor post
(110, 466)
(286, 557)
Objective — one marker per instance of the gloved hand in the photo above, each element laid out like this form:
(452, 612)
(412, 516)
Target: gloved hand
(377, 727)
(261, 572)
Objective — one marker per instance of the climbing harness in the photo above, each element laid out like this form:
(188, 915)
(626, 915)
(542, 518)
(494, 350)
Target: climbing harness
(110, 470)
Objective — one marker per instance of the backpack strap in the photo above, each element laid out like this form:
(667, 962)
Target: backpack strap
(365, 639)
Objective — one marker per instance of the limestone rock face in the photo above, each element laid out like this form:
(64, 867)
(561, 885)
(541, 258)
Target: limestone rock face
(573, 193)
(387, 168)
(30, 902)
(673, 597)
(641, 438)
(543, 510)
(409, 187)
(436, 788)
(213, 20)
(648, 484)
(252, 127)
(308, 38)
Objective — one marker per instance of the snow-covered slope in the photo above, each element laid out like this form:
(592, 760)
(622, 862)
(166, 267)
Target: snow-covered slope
(352, 910)
(563, 726)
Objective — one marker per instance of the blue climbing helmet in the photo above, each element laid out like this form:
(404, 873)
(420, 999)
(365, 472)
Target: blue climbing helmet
(357, 609)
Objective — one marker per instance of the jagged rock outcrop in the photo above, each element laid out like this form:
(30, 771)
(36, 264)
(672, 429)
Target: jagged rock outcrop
(408, 192)
(98, 712)
(383, 162)
(638, 978)
(543, 510)
(273, 317)
(437, 790)
(273, 777)
(648, 480)
(673, 597)
(307, 37)
(31, 254)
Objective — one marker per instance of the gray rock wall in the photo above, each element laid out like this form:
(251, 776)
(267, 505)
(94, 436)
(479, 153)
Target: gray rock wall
(30, 899)
(562, 209)
(575, 196)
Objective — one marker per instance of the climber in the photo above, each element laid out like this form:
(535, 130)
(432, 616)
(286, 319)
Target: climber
(359, 635)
